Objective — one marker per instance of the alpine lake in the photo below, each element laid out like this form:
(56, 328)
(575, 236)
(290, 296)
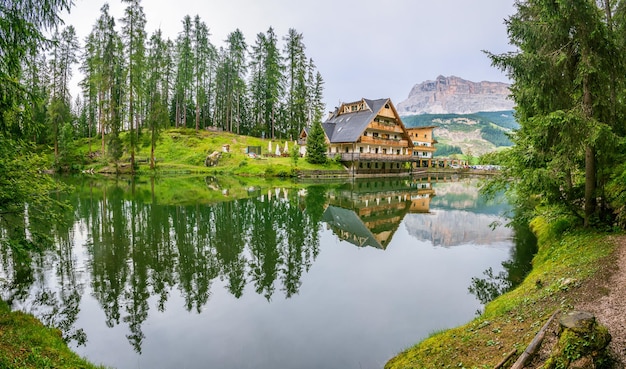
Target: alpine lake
(206, 272)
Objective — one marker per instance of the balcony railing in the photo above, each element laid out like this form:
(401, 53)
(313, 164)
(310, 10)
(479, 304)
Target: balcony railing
(377, 157)
(384, 141)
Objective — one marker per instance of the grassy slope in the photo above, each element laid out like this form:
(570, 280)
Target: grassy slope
(563, 266)
(184, 151)
(26, 343)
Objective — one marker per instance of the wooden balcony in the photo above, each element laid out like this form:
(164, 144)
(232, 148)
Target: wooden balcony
(388, 158)
(388, 127)
(383, 141)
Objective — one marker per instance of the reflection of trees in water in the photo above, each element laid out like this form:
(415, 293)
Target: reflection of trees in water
(30, 266)
(139, 249)
(515, 269)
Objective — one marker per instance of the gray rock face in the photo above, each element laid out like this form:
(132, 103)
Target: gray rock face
(454, 95)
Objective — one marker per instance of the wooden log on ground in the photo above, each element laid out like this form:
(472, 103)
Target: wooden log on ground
(534, 345)
(504, 361)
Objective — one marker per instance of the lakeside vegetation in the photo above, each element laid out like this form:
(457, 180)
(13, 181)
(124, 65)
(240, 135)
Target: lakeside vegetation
(26, 343)
(184, 150)
(565, 267)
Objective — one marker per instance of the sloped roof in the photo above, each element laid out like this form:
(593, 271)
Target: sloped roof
(348, 127)
(347, 225)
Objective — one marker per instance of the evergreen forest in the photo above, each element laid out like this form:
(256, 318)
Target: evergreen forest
(137, 83)
(569, 86)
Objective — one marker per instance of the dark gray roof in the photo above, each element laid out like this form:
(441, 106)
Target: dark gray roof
(348, 127)
(347, 225)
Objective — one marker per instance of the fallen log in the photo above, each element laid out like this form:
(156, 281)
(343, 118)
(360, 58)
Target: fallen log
(534, 345)
(504, 361)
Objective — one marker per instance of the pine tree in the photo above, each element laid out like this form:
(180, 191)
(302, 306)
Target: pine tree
(316, 146)
(134, 35)
(296, 81)
(564, 75)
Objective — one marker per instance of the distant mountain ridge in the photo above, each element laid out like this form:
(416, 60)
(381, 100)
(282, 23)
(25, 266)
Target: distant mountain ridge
(454, 95)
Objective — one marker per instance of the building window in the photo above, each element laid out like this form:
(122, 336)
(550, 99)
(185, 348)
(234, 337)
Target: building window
(347, 150)
(361, 149)
(397, 152)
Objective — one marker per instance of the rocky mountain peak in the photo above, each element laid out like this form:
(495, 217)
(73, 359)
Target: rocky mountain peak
(454, 95)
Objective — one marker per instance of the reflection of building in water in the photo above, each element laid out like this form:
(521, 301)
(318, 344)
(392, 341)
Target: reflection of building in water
(368, 212)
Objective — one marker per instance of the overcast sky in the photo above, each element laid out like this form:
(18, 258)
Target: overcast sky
(362, 48)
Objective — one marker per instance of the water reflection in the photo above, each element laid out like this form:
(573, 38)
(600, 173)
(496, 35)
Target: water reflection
(135, 244)
(368, 212)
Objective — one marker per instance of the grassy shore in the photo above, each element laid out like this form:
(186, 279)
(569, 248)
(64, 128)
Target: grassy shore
(26, 343)
(185, 150)
(564, 269)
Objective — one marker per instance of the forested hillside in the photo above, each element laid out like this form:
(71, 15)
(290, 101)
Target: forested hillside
(457, 133)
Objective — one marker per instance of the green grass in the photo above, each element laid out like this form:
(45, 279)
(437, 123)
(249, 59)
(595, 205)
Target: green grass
(561, 268)
(26, 343)
(184, 151)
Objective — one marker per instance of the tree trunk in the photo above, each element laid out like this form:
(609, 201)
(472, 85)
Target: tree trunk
(590, 184)
(590, 158)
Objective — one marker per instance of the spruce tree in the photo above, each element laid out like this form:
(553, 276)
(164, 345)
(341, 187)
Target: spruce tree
(316, 146)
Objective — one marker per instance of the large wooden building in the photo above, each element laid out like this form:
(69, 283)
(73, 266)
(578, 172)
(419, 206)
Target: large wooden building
(368, 137)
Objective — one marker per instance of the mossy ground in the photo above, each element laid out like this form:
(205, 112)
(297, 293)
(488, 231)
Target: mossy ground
(26, 343)
(563, 271)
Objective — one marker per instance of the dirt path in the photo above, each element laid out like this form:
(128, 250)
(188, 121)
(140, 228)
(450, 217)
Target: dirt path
(610, 310)
(605, 297)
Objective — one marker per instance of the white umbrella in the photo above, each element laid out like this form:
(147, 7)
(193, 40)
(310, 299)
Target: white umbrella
(277, 150)
(269, 146)
(286, 147)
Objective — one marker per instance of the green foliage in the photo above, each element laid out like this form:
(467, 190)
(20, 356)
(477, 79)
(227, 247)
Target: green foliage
(294, 153)
(24, 188)
(26, 343)
(573, 346)
(444, 150)
(67, 149)
(512, 319)
(114, 146)
(568, 79)
(495, 135)
(316, 146)
(616, 193)
(22, 29)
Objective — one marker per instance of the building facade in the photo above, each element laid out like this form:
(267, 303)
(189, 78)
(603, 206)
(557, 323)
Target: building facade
(368, 137)
(423, 145)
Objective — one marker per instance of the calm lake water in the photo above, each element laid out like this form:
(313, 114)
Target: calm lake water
(219, 273)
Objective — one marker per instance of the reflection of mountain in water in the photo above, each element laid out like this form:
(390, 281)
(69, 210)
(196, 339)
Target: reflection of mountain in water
(456, 227)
